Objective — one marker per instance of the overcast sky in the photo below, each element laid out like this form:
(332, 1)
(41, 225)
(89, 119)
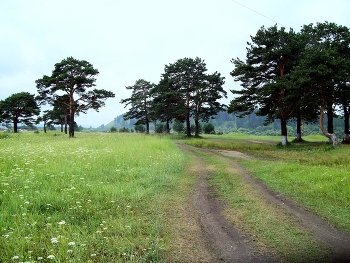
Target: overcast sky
(127, 40)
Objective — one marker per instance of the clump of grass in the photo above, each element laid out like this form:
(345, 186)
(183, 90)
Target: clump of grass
(4, 135)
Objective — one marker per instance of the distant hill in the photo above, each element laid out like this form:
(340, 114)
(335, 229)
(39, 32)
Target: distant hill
(226, 123)
(118, 123)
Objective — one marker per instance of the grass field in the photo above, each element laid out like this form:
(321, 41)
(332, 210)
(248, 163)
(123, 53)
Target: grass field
(105, 197)
(94, 198)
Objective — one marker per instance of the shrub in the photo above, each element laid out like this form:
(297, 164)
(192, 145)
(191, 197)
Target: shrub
(208, 128)
(123, 129)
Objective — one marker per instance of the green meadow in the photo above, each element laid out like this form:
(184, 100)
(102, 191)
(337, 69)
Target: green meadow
(94, 198)
(114, 197)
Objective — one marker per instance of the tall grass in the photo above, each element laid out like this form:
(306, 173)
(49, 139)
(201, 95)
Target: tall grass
(94, 198)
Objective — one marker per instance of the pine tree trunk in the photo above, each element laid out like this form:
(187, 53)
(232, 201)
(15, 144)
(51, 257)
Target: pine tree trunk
(147, 126)
(168, 126)
(331, 136)
(71, 124)
(15, 125)
(298, 127)
(196, 122)
(188, 125)
(65, 124)
(284, 140)
(284, 131)
(330, 128)
(346, 125)
(299, 137)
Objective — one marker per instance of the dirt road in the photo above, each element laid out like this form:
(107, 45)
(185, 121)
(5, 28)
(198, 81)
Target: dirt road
(225, 243)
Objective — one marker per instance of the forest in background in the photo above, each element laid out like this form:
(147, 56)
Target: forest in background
(226, 123)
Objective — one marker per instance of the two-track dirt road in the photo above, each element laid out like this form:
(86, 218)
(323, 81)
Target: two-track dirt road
(225, 243)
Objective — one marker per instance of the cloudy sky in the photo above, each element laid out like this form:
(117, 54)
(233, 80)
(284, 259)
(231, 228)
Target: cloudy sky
(127, 40)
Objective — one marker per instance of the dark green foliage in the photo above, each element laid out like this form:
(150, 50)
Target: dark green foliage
(19, 108)
(208, 128)
(186, 90)
(271, 56)
(123, 129)
(178, 126)
(113, 129)
(168, 102)
(295, 76)
(326, 66)
(160, 128)
(46, 119)
(75, 79)
(139, 102)
(140, 128)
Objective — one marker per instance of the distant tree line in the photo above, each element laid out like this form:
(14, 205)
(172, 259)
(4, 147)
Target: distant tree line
(224, 123)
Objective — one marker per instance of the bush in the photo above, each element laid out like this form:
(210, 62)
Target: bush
(124, 129)
(140, 128)
(160, 128)
(208, 128)
(178, 127)
(113, 129)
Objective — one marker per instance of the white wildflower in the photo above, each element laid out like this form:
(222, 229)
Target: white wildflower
(50, 256)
